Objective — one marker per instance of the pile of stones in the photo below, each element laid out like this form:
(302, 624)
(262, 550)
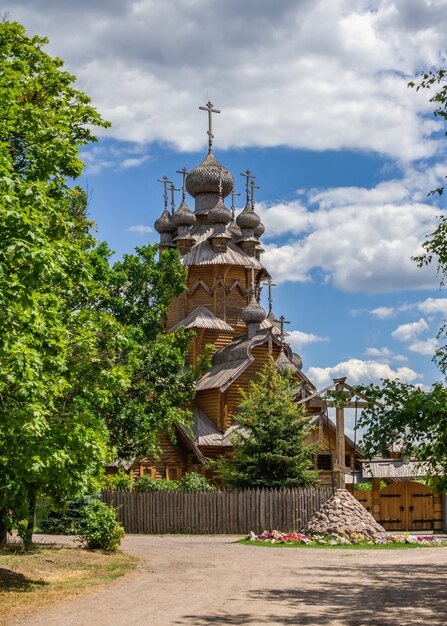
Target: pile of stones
(343, 515)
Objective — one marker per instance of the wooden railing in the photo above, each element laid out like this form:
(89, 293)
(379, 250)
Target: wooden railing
(220, 512)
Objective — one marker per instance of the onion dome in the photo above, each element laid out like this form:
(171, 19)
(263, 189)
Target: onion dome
(248, 218)
(219, 214)
(283, 364)
(164, 224)
(205, 178)
(234, 230)
(253, 313)
(297, 361)
(259, 230)
(184, 216)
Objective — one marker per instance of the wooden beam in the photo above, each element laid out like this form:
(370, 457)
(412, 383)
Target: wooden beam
(340, 441)
(348, 405)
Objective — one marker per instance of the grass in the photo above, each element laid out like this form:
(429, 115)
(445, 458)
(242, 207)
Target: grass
(357, 546)
(35, 579)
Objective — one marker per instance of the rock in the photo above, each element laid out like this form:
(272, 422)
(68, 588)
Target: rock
(343, 515)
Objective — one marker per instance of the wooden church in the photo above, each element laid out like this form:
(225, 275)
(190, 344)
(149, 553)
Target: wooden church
(222, 252)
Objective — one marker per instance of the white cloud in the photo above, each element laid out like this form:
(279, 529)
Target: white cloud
(384, 312)
(344, 69)
(427, 346)
(134, 161)
(141, 229)
(433, 305)
(358, 371)
(112, 156)
(298, 339)
(385, 355)
(357, 239)
(407, 332)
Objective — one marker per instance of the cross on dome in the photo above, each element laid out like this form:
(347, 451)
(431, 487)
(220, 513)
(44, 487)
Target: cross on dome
(173, 189)
(210, 108)
(184, 173)
(249, 176)
(233, 210)
(252, 192)
(270, 284)
(165, 180)
(282, 320)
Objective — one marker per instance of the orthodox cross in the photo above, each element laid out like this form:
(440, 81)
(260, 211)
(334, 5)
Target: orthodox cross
(233, 193)
(173, 188)
(165, 180)
(270, 284)
(220, 182)
(282, 321)
(184, 172)
(210, 108)
(252, 282)
(249, 176)
(253, 187)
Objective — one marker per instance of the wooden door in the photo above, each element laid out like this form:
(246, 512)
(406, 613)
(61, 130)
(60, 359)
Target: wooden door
(420, 506)
(406, 506)
(393, 509)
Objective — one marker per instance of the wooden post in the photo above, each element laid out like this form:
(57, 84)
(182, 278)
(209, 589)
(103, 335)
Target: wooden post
(340, 439)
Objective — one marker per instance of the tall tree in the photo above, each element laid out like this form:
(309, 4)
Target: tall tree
(270, 450)
(84, 364)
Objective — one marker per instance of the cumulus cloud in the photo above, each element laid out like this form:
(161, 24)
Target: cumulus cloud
(141, 229)
(360, 372)
(407, 332)
(112, 156)
(297, 339)
(358, 239)
(385, 355)
(308, 74)
(427, 346)
(433, 305)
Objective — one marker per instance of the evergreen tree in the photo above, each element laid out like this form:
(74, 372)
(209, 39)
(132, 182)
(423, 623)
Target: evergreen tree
(270, 449)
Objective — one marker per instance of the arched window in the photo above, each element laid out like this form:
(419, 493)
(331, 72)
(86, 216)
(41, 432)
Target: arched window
(173, 469)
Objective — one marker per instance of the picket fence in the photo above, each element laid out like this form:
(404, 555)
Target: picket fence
(219, 512)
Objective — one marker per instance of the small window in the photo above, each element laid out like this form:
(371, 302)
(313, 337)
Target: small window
(173, 470)
(324, 462)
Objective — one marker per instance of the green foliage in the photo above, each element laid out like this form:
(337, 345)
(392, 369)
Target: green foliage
(192, 481)
(65, 521)
(120, 480)
(270, 452)
(147, 483)
(84, 362)
(399, 413)
(438, 80)
(99, 528)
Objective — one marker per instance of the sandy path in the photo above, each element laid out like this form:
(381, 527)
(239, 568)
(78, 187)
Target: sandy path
(211, 580)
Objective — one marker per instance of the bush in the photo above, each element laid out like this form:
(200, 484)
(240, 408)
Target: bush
(99, 528)
(192, 481)
(121, 480)
(66, 521)
(147, 483)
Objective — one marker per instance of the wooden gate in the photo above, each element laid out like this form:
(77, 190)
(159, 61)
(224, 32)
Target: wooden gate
(406, 506)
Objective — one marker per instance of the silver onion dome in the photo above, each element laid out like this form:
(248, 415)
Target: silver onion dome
(283, 364)
(219, 214)
(164, 223)
(259, 230)
(205, 178)
(184, 216)
(253, 313)
(248, 218)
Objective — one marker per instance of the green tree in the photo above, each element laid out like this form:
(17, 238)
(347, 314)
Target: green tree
(270, 449)
(403, 413)
(84, 363)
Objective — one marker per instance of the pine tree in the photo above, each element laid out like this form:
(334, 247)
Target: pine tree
(270, 449)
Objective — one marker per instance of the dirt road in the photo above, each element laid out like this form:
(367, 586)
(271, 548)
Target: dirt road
(199, 581)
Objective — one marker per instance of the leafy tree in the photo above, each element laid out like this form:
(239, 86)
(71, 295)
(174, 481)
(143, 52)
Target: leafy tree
(403, 413)
(84, 364)
(270, 450)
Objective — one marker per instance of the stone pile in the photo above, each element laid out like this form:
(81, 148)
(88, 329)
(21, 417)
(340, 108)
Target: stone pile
(343, 515)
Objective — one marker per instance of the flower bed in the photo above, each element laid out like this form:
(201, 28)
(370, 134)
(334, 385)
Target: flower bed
(275, 536)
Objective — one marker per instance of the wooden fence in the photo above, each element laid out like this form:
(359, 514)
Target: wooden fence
(225, 512)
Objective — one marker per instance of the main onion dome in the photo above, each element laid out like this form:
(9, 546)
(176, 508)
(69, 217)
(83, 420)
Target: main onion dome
(253, 313)
(205, 178)
(164, 223)
(184, 216)
(248, 218)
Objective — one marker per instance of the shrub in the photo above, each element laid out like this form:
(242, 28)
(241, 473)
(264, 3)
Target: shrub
(99, 528)
(121, 480)
(192, 481)
(66, 521)
(147, 483)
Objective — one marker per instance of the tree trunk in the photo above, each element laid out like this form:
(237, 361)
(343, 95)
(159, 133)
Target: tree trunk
(3, 526)
(28, 535)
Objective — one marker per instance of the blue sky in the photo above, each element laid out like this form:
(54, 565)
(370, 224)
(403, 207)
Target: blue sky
(315, 102)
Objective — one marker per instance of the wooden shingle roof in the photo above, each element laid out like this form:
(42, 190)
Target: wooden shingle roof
(202, 317)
